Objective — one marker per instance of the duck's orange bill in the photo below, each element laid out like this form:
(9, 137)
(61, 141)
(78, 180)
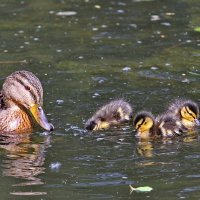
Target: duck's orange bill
(40, 117)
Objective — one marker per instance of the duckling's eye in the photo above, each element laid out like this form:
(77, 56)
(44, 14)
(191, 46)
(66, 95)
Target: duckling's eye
(117, 116)
(190, 113)
(102, 119)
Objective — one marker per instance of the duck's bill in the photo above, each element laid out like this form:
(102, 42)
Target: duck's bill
(41, 118)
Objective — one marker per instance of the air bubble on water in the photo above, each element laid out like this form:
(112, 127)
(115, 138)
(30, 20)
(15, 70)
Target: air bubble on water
(154, 68)
(55, 166)
(155, 17)
(59, 101)
(126, 69)
(97, 6)
(100, 139)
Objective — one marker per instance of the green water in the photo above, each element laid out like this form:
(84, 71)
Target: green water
(145, 51)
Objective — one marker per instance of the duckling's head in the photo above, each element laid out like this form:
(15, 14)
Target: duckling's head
(189, 114)
(24, 89)
(94, 124)
(144, 122)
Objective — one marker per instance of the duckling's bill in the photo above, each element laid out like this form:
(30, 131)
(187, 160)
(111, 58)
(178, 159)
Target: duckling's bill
(40, 117)
(197, 121)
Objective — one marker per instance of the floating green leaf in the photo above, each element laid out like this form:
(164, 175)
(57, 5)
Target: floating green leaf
(197, 29)
(140, 189)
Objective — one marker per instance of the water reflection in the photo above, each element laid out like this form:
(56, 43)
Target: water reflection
(145, 147)
(24, 159)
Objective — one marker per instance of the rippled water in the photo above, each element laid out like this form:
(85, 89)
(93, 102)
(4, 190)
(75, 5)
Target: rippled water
(85, 54)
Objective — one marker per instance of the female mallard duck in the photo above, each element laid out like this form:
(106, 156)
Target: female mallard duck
(22, 95)
(186, 111)
(113, 113)
(165, 125)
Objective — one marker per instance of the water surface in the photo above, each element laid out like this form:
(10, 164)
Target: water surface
(87, 53)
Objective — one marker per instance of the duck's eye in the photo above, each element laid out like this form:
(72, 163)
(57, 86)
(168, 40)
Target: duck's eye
(27, 88)
(39, 108)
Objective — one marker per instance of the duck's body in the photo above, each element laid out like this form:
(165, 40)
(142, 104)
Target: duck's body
(113, 113)
(21, 99)
(186, 111)
(15, 119)
(163, 126)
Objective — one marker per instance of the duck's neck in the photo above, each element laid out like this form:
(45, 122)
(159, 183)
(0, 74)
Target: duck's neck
(14, 118)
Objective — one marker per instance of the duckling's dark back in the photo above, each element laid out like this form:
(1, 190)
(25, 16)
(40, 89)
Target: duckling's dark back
(114, 109)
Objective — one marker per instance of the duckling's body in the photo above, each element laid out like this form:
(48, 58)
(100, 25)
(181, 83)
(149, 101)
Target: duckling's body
(168, 125)
(187, 112)
(113, 113)
(147, 126)
(21, 100)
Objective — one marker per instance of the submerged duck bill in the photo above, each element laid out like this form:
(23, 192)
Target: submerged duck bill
(41, 118)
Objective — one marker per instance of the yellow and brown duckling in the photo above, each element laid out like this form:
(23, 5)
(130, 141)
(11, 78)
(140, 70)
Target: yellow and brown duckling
(147, 126)
(113, 113)
(187, 112)
(21, 101)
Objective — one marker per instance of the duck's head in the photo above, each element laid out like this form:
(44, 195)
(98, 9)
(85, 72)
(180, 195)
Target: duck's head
(189, 114)
(24, 89)
(143, 122)
(95, 124)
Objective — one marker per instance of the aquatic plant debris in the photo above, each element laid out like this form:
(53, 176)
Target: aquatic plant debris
(140, 189)
(66, 13)
(197, 29)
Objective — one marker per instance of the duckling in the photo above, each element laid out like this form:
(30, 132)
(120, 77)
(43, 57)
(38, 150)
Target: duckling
(147, 126)
(21, 100)
(113, 113)
(187, 112)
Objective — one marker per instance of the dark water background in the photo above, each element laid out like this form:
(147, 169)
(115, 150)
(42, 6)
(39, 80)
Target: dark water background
(87, 53)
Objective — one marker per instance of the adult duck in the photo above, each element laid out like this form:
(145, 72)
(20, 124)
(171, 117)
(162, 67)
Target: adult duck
(21, 101)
